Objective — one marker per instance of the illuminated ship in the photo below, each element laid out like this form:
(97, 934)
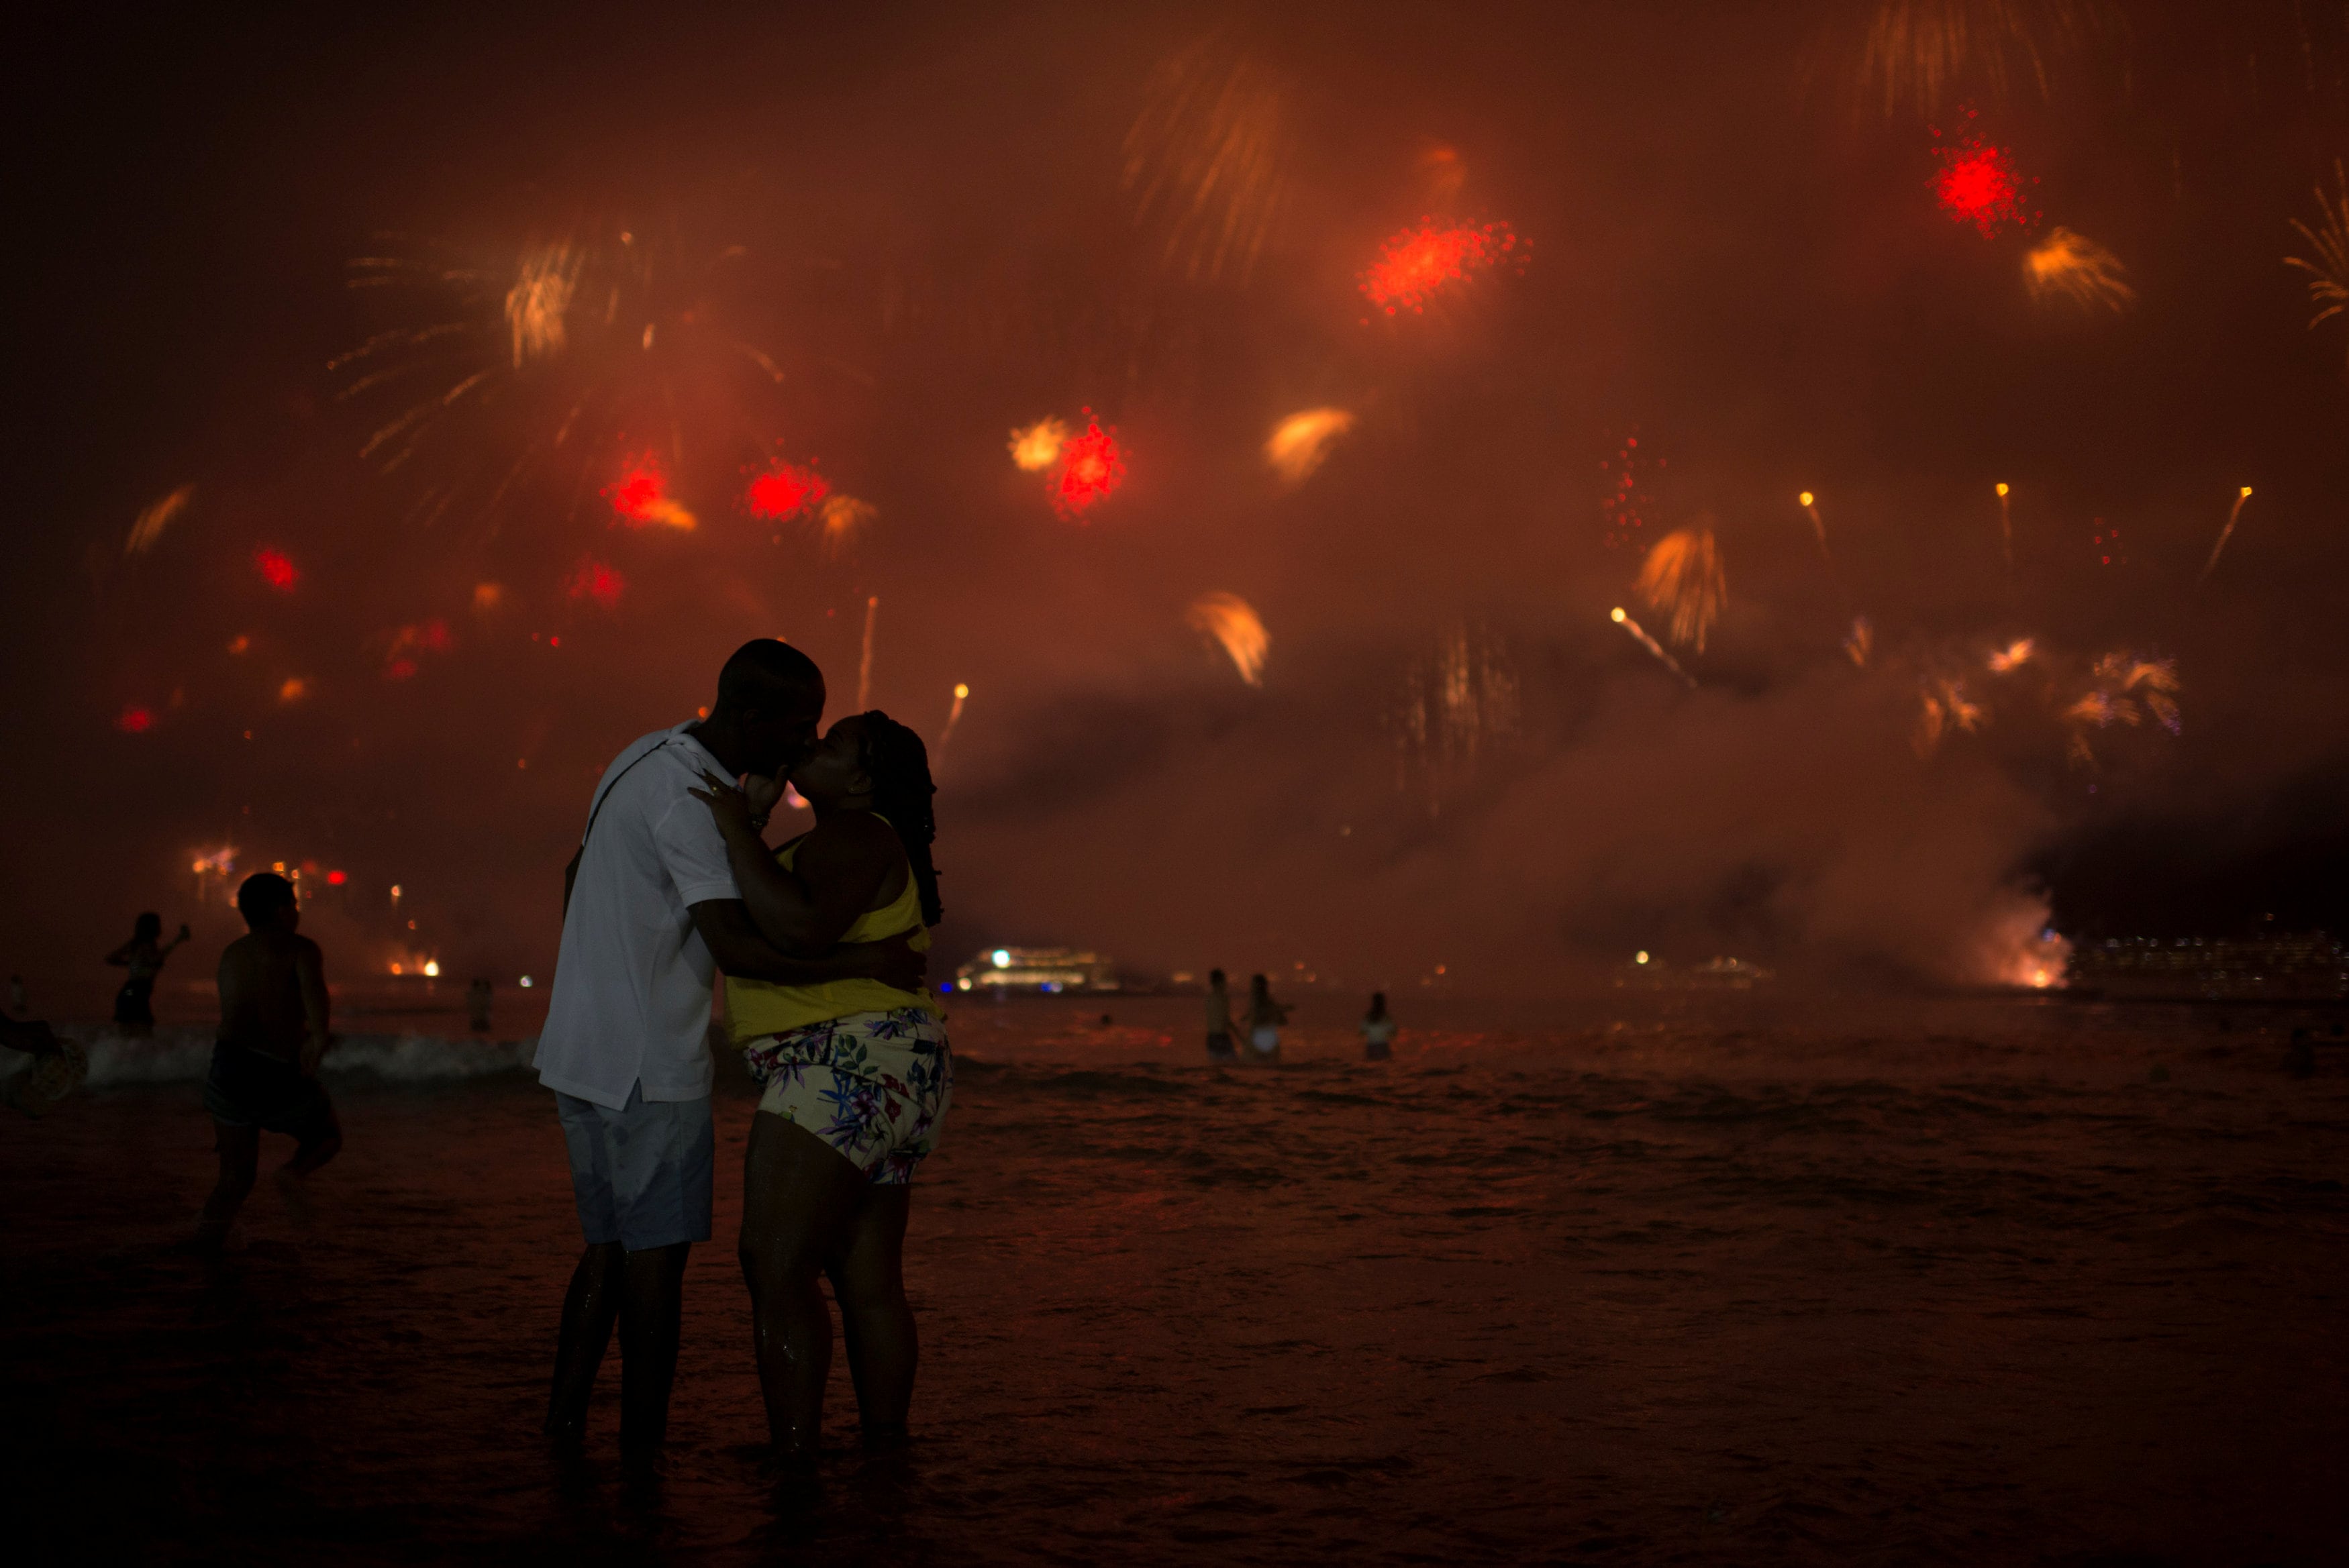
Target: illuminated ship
(1047, 971)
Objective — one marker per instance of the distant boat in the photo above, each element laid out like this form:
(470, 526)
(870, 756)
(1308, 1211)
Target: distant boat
(1046, 971)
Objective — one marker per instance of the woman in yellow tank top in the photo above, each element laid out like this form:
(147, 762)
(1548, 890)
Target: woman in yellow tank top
(858, 1076)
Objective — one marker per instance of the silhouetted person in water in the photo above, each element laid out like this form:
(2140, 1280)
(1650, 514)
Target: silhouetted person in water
(1378, 1030)
(650, 908)
(273, 1032)
(144, 955)
(1219, 1018)
(1264, 1018)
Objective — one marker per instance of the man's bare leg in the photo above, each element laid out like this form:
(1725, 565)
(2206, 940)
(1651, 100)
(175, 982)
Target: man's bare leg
(590, 1307)
(240, 1158)
(652, 1315)
(798, 1196)
(868, 1278)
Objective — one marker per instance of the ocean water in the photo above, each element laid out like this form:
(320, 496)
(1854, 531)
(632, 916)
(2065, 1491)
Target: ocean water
(1648, 1280)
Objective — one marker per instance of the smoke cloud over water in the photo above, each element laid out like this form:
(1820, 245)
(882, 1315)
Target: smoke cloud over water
(239, 624)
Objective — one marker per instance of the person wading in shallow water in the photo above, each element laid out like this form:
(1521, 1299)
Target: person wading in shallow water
(1219, 1018)
(144, 955)
(273, 1032)
(649, 908)
(1264, 1018)
(858, 1078)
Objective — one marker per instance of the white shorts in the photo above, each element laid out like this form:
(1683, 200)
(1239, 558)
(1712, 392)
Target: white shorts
(1264, 1038)
(642, 1175)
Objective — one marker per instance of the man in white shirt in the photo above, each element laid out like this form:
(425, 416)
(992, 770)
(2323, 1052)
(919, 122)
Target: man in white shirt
(650, 910)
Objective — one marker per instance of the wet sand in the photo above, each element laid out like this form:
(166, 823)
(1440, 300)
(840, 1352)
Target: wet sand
(1677, 1283)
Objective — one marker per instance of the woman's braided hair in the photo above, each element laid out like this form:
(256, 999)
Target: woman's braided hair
(899, 764)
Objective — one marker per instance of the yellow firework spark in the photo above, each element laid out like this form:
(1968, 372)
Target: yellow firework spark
(539, 300)
(1943, 705)
(842, 518)
(1208, 159)
(1232, 621)
(2328, 275)
(1299, 444)
(2011, 657)
(1682, 579)
(2076, 270)
(1038, 447)
(1861, 644)
(155, 519)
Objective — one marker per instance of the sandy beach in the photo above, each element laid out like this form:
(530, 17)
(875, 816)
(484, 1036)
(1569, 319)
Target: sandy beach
(1715, 1281)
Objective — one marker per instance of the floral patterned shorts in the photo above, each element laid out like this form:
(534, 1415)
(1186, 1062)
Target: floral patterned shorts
(874, 1086)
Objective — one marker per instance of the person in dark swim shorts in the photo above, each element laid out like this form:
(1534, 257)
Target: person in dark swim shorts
(265, 1072)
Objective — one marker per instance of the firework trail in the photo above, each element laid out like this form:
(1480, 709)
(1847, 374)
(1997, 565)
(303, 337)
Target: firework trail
(2073, 268)
(155, 519)
(1456, 706)
(1682, 579)
(1639, 635)
(842, 518)
(1038, 447)
(954, 718)
(2225, 533)
(1413, 266)
(865, 662)
(489, 367)
(1210, 156)
(1809, 504)
(1299, 443)
(2328, 275)
(1917, 52)
(1860, 645)
(2005, 528)
(1233, 622)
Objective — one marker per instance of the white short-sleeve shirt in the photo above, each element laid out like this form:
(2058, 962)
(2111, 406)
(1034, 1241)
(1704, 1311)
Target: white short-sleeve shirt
(631, 983)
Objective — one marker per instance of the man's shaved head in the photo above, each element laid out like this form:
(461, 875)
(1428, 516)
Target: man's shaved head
(766, 672)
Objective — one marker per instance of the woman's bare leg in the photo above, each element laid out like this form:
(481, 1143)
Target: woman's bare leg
(799, 1197)
(868, 1276)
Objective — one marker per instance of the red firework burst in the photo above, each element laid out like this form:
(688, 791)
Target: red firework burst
(275, 569)
(783, 491)
(597, 581)
(1416, 262)
(1976, 183)
(1092, 466)
(640, 498)
(134, 720)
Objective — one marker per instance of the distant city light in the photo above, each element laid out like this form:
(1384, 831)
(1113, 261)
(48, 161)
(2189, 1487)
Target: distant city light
(1001, 956)
(433, 968)
(525, 981)
(1641, 957)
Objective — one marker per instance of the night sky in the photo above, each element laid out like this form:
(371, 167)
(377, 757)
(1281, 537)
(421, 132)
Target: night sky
(927, 221)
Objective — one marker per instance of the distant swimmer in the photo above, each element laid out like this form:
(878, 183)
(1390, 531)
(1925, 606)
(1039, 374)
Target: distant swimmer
(58, 1069)
(1264, 1018)
(273, 1032)
(858, 1076)
(651, 911)
(1378, 1030)
(144, 955)
(1219, 1020)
